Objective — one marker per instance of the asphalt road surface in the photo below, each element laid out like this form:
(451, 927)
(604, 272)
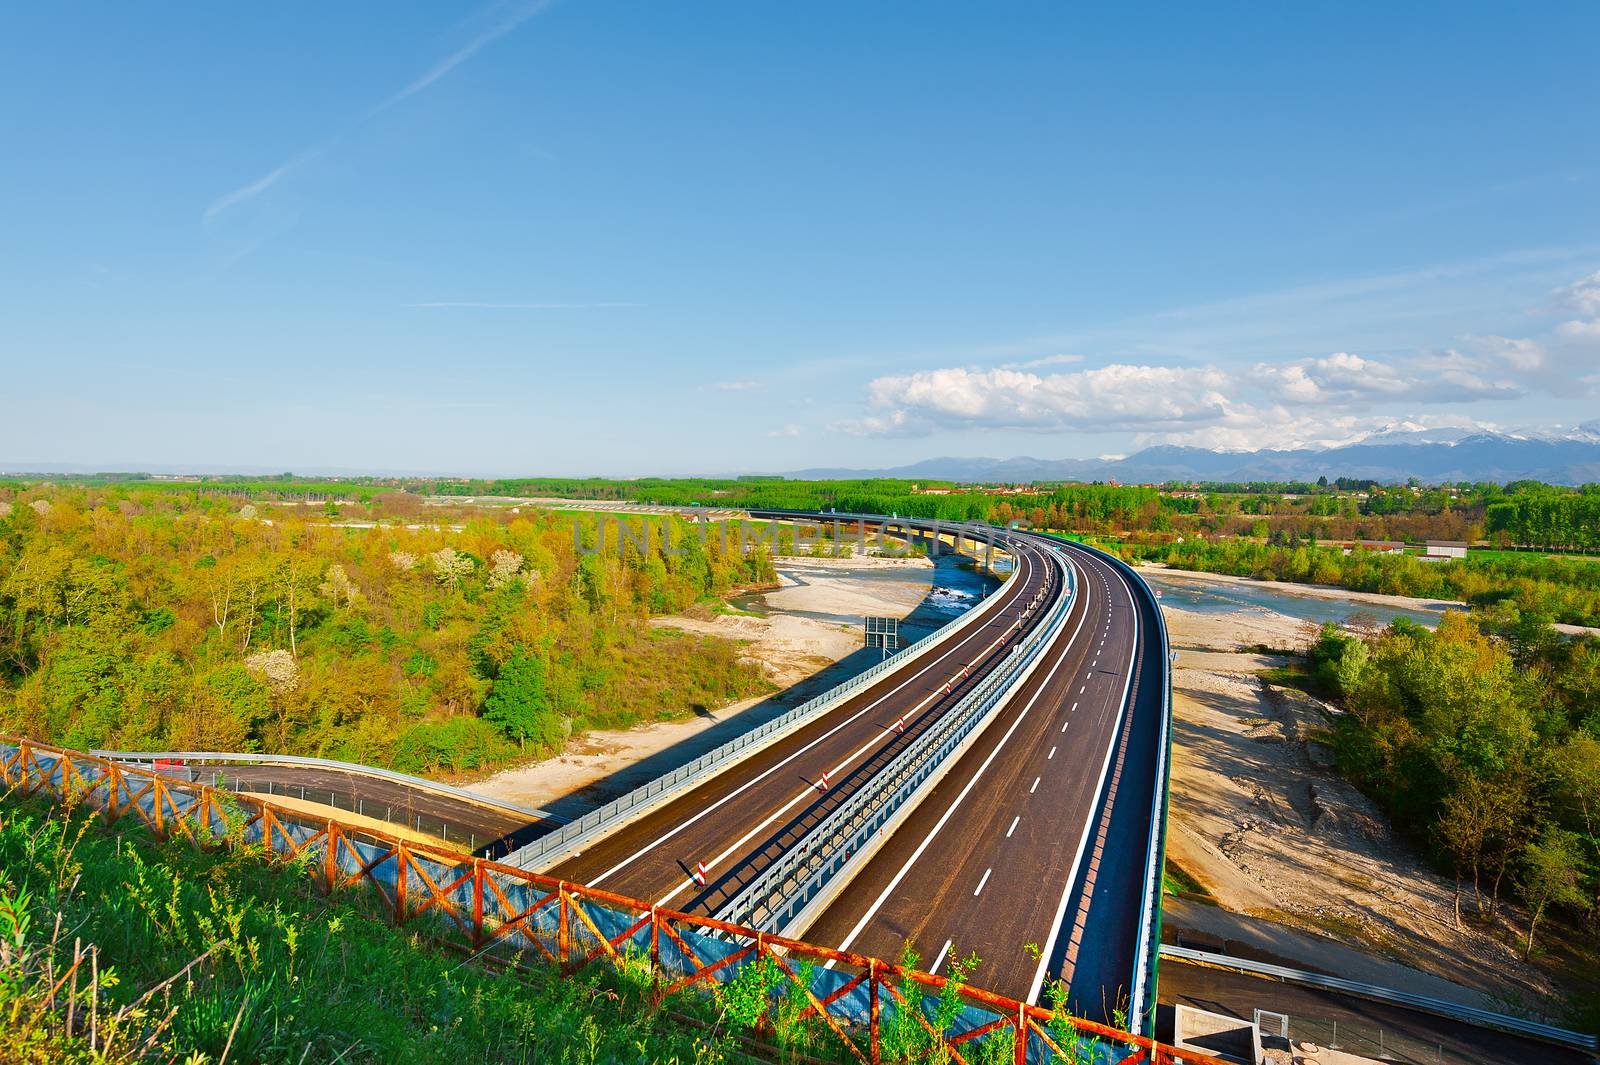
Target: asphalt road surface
(1000, 857)
(736, 823)
(492, 829)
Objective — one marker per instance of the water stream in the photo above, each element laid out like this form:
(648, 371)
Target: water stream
(1224, 597)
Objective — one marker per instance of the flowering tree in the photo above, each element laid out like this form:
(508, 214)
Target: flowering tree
(277, 668)
(504, 568)
(449, 566)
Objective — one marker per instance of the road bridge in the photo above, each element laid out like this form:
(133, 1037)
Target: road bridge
(694, 851)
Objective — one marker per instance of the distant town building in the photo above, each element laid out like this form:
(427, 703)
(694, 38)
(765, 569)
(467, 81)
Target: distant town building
(1382, 547)
(1442, 549)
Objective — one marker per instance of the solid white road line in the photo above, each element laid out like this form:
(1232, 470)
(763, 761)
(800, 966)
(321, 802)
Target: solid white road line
(949, 812)
(641, 852)
(1083, 841)
(979, 889)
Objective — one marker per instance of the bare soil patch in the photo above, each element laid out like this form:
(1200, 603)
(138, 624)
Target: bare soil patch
(1262, 820)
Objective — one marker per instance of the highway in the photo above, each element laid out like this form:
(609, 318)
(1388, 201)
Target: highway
(1029, 849)
(1013, 855)
(735, 823)
(489, 828)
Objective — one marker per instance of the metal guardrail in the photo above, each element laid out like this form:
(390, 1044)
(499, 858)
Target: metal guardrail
(424, 824)
(577, 833)
(772, 900)
(239, 758)
(1142, 1003)
(1438, 1007)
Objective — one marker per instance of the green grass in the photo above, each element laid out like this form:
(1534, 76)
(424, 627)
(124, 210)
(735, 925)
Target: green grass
(1175, 880)
(1296, 675)
(226, 955)
(281, 973)
(1491, 554)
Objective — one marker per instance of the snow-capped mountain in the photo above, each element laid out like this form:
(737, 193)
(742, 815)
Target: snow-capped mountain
(1558, 456)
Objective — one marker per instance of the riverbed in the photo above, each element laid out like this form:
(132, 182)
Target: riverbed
(1211, 593)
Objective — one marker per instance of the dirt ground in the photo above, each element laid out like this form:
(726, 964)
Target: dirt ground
(1264, 823)
(803, 656)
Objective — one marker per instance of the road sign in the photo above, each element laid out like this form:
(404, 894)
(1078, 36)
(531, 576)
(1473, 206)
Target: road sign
(883, 633)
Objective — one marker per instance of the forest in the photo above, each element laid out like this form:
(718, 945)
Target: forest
(168, 619)
(1482, 739)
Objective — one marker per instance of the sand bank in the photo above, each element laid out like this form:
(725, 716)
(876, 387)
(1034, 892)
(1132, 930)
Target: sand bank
(1262, 820)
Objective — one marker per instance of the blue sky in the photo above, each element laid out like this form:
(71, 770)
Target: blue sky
(626, 238)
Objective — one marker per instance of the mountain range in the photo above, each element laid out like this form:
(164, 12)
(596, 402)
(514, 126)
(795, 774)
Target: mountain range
(1392, 455)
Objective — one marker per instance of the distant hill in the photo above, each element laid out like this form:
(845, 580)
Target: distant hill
(1435, 455)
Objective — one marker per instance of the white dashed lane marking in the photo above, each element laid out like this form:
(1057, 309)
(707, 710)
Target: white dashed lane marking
(982, 882)
(1013, 827)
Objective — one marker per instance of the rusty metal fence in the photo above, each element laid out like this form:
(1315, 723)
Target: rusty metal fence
(507, 913)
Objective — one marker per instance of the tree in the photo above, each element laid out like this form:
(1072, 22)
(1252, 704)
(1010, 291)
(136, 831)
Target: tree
(1478, 825)
(519, 703)
(1550, 869)
(504, 568)
(339, 587)
(450, 566)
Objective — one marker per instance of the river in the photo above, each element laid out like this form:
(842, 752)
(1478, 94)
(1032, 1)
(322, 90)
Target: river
(951, 588)
(1225, 597)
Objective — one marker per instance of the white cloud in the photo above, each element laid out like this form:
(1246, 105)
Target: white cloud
(1314, 401)
(1111, 397)
(1519, 354)
(517, 17)
(788, 431)
(474, 305)
(1346, 379)
(258, 186)
(1583, 295)
(1048, 360)
(734, 386)
(245, 193)
(1581, 332)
